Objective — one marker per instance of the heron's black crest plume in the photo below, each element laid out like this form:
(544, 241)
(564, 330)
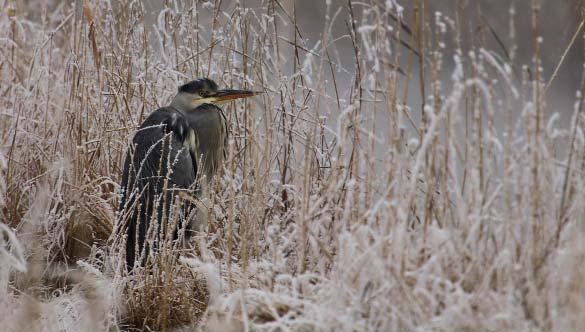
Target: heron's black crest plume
(198, 85)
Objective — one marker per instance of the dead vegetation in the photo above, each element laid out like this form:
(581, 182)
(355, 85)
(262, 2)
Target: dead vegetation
(164, 297)
(405, 185)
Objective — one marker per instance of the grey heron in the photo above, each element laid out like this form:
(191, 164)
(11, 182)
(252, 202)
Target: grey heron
(178, 148)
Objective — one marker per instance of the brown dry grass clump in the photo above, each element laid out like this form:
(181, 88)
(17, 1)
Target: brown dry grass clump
(88, 227)
(162, 299)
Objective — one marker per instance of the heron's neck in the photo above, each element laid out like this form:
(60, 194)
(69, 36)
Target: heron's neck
(183, 103)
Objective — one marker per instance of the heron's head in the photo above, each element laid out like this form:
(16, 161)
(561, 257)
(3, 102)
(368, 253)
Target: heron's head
(205, 91)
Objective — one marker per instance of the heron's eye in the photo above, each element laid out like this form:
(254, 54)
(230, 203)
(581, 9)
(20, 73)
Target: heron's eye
(204, 93)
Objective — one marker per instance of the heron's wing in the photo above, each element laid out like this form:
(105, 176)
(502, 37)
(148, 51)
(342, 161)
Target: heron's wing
(156, 163)
(159, 149)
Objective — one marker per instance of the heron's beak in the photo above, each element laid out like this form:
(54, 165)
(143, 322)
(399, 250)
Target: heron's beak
(223, 96)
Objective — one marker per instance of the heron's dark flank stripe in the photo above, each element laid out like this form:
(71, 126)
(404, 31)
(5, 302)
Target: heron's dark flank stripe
(191, 144)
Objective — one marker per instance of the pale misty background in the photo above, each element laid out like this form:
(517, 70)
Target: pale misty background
(558, 22)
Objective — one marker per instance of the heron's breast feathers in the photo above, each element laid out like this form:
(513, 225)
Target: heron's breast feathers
(192, 142)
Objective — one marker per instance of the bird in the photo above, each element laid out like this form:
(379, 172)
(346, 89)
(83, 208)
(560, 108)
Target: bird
(177, 150)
